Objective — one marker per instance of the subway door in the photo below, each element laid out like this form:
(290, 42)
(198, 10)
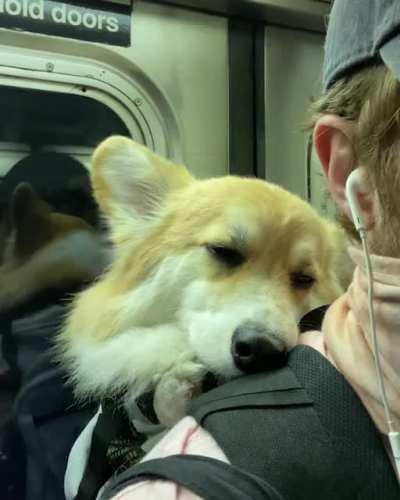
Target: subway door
(293, 70)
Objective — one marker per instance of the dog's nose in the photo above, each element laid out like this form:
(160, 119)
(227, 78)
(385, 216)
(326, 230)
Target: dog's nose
(253, 351)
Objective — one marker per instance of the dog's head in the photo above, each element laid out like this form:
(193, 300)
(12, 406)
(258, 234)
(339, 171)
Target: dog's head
(233, 262)
(42, 249)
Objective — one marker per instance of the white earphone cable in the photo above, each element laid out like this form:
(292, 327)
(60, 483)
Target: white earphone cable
(394, 436)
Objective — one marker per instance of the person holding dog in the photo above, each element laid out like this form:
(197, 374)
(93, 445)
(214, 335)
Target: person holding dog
(316, 428)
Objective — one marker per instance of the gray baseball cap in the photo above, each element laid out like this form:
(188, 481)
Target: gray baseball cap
(361, 32)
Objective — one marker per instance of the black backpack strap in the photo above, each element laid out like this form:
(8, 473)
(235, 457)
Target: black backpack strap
(115, 445)
(209, 478)
(98, 469)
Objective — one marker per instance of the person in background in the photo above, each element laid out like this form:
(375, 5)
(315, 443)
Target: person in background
(51, 247)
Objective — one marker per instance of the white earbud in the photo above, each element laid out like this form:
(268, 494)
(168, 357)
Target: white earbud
(354, 186)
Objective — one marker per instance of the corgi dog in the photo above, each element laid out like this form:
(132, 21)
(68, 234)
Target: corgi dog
(43, 250)
(208, 276)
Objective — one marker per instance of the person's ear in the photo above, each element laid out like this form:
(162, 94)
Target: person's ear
(333, 141)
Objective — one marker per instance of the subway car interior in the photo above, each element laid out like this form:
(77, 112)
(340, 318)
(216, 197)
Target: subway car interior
(222, 88)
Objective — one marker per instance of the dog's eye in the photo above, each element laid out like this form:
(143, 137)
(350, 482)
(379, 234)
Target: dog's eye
(228, 256)
(301, 281)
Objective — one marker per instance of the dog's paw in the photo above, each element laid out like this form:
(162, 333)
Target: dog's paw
(175, 389)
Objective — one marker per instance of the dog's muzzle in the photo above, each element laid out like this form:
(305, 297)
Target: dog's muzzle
(254, 349)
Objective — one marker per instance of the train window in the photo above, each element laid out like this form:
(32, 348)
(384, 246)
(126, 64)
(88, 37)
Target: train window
(52, 244)
(37, 119)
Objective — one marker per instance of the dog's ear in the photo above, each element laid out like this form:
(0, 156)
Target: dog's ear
(30, 219)
(129, 178)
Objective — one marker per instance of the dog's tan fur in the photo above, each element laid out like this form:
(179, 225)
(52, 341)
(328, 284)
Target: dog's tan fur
(165, 311)
(42, 249)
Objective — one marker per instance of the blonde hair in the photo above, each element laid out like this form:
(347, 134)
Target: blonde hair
(370, 98)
